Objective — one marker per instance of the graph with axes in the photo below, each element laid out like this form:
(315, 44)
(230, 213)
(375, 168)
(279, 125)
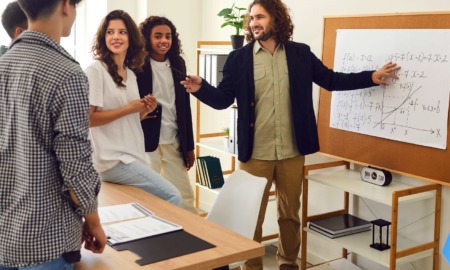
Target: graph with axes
(412, 109)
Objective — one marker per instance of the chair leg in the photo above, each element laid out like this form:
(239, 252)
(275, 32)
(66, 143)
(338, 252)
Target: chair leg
(222, 268)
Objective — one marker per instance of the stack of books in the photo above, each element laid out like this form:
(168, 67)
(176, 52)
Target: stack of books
(209, 171)
(340, 225)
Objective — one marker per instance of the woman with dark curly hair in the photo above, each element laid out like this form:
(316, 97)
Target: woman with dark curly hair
(169, 138)
(117, 109)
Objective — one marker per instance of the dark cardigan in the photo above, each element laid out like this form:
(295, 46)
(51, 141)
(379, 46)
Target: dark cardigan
(185, 132)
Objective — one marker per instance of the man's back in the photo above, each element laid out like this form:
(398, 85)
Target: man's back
(44, 151)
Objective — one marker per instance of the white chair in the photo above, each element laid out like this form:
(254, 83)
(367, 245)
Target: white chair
(237, 204)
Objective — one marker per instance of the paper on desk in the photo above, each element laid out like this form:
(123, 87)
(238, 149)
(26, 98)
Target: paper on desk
(122, 212)
(138, 228)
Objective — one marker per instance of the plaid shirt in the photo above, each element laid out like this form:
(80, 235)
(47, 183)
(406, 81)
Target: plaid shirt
(44, 152)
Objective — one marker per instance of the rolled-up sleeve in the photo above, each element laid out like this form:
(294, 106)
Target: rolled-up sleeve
(71, 144)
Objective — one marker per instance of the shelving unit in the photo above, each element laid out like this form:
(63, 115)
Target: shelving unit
(402, 250)
(214, 140)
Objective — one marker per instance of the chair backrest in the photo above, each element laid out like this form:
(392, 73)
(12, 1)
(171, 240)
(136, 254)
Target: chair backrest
(238, 202)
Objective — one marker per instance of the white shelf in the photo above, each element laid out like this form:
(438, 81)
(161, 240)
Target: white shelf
(216, 144)
(225, 50)
(351, 182)
(341, 264)
(217, 190)
(359, 243)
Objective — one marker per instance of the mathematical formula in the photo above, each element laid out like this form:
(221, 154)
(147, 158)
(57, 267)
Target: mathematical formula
(412, 109)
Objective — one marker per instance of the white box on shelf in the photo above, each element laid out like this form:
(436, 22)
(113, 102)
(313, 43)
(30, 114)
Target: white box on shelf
(217, 63)
(232, 136)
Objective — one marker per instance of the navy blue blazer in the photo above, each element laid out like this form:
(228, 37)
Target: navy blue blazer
(183, 110)
(304, 69)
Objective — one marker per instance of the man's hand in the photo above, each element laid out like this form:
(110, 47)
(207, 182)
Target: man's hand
(387, 71)
(192, 83)
(94, 237)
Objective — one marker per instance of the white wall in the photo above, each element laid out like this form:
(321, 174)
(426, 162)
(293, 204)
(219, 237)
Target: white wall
(307, 16)
(4, 38)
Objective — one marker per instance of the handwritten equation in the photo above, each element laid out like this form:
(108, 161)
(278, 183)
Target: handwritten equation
(412, 109)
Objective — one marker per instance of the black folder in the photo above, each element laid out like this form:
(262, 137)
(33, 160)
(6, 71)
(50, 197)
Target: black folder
(164, 246)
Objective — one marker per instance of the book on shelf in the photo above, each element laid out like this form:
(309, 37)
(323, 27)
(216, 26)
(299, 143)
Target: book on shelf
(210, 171)
(200, 171)
(340, 224)
(336, 235)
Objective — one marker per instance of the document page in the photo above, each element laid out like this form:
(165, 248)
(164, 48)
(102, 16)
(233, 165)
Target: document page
(121, 212)
(138, 228)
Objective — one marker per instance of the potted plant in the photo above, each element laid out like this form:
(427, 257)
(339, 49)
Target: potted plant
(233, 17)
(227, 136)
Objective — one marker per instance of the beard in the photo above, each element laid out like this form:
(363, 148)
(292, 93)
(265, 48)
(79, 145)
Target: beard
(265, 35)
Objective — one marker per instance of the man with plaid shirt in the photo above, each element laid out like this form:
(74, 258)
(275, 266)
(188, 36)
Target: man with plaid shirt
(47, 181)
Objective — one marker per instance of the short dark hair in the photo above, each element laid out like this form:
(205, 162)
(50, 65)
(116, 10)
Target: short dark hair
(35, 9)
(13, 17)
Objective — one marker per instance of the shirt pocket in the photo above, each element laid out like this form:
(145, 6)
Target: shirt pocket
(259, 73)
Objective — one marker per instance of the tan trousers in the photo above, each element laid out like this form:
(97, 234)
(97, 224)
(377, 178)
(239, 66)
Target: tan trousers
(168, 162)
(287, 175)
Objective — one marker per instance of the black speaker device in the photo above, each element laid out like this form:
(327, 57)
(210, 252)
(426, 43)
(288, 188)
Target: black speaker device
(376, 176)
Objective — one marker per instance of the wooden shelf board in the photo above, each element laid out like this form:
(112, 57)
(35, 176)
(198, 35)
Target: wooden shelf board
(350, 181)
(359, 243)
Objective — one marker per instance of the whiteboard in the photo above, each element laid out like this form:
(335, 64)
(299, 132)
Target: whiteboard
(413, 109)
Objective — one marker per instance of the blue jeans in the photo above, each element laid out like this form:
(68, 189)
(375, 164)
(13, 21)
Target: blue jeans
(142, 176)
(57, 264)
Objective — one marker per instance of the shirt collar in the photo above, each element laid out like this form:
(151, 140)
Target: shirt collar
(257, 47)
(35, 37)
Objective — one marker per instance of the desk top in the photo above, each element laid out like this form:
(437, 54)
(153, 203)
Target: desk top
(230, 247)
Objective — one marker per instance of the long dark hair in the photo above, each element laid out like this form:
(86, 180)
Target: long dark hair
(134, 59)
(174, 54)
(281, 20)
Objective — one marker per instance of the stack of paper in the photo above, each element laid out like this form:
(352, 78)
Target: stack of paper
(340, 225)
(128, 222)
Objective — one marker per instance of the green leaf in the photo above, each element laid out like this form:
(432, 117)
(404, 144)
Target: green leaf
(225, 24)
(232, 17)
(224, 12)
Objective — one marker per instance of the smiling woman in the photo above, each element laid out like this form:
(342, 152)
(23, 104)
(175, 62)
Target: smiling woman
(117, 110)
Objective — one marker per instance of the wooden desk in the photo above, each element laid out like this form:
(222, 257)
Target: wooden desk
(230, 247)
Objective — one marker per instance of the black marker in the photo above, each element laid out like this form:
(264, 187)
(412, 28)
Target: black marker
(178, 71)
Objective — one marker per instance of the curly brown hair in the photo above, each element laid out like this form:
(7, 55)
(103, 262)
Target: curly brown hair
(281, 20)
(134, 59)
(174, 54)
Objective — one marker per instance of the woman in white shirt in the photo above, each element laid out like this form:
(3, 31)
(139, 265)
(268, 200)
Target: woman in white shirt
(116, 108)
